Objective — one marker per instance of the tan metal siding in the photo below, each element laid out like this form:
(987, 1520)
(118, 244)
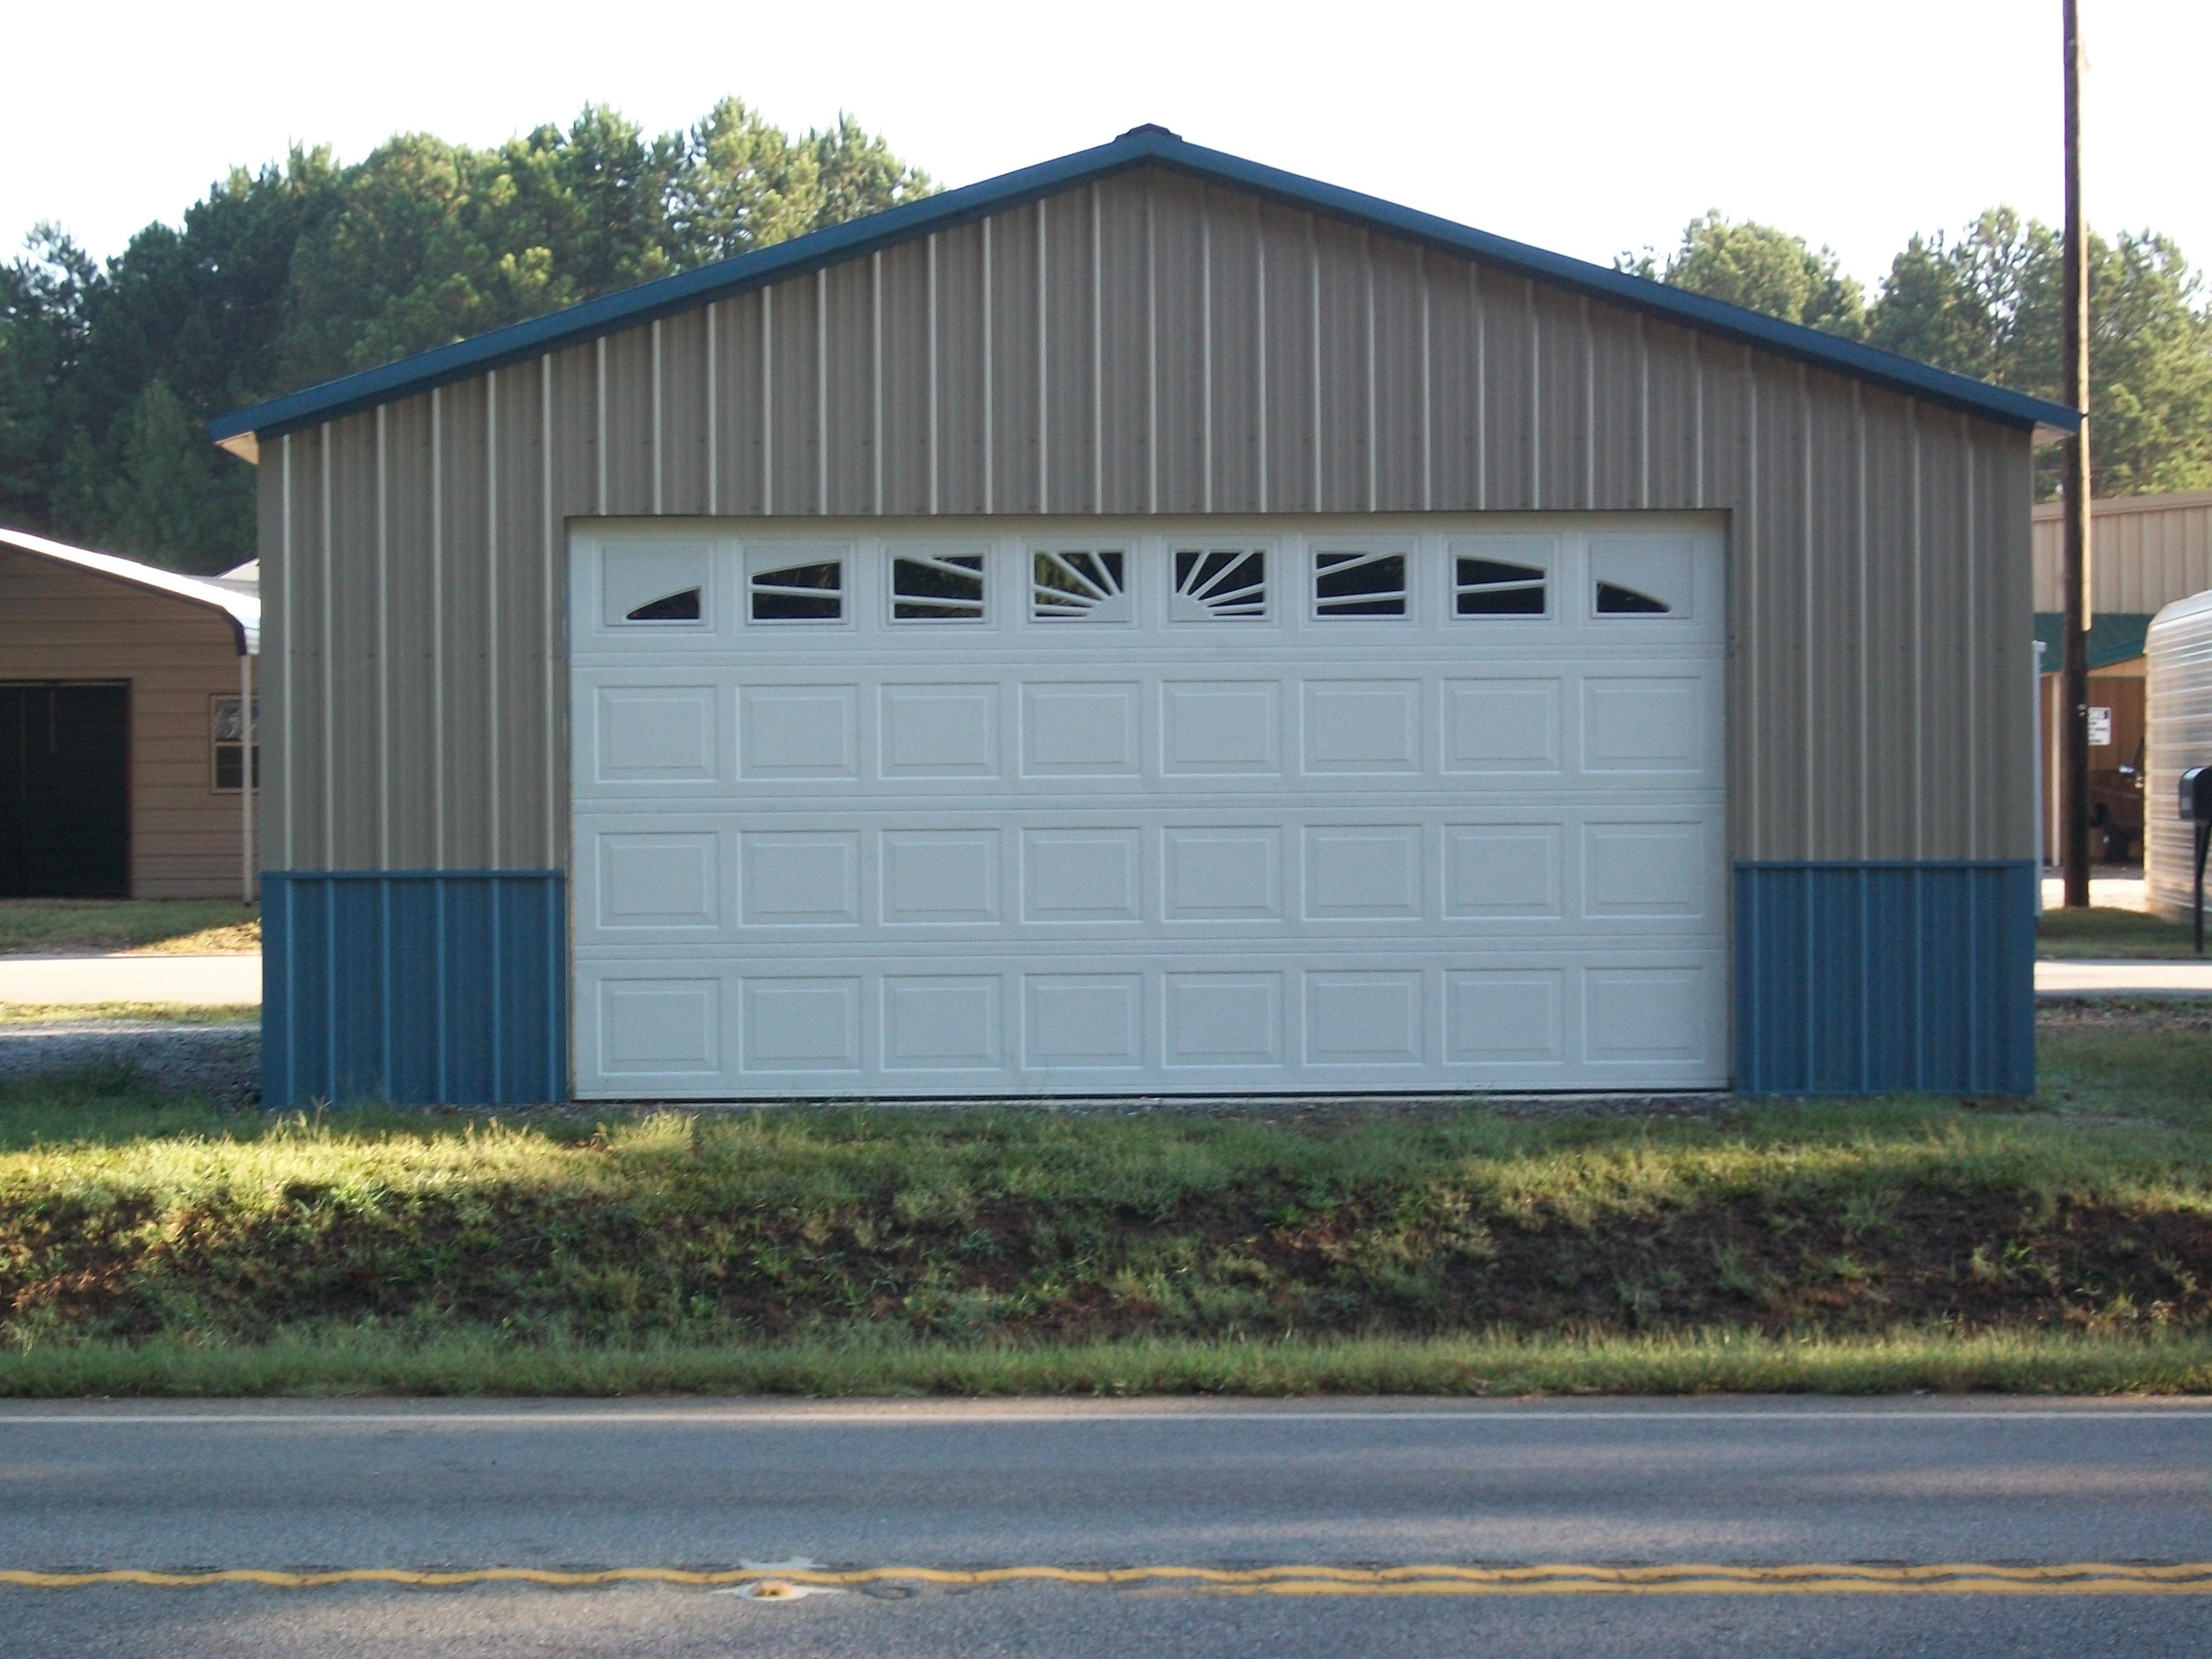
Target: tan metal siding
(2147, 551)
(1150, 344)
(61, 624)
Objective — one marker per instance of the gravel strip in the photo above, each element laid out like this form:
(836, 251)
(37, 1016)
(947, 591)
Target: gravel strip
(221, 1063)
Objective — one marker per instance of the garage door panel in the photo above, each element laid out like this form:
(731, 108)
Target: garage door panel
(1176, 851)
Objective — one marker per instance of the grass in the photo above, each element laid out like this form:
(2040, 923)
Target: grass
(153, 1246)
(166, 1013)
(166, 927)
(2077, 935)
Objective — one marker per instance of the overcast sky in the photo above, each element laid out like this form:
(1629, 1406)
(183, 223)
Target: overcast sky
(1587, 128)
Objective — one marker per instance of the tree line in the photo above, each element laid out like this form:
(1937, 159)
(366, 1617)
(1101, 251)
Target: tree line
(280, 278)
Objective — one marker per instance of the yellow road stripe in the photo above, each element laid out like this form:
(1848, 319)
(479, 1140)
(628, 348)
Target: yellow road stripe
(1557, 1579)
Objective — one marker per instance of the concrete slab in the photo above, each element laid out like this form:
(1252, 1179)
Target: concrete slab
(2164, 979)
(2105, 892)
(202, 980)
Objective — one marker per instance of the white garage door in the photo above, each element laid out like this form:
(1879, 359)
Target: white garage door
(1085, 806)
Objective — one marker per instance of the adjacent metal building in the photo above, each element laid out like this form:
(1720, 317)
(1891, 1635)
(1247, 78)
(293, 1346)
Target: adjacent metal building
(1165, 354)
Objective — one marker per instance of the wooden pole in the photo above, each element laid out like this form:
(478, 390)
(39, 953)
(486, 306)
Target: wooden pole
(2075, 742)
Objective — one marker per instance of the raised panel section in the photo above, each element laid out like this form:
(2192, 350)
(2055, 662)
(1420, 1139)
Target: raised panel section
(802, 1025)
(939, 731)
(659, 879)
(1228, 874)
(1643, 724)
(660, 1027)
(1083, 1020)
(1505, 1017)
(1223, 1019)
(1642, 1016)
(800, 879)
(1220, 728)
(656, 734)
(1080, 731)
(935, 1023)
(798, 731)
(1363, 725)
(1502, 726)
(1363, 873)
(1655, 870)
(1502, 870)
(1081, 875)
(1364, 1019)
(940, 876)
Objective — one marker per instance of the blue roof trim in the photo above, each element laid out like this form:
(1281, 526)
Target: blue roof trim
(1143, 146)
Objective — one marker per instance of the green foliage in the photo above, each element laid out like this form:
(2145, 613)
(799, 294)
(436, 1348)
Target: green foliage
(286, 277)
(1765, 269)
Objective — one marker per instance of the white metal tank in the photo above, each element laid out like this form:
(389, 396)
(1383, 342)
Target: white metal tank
(2180, 735)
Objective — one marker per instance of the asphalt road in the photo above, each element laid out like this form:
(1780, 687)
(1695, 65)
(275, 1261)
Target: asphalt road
(955, 1486)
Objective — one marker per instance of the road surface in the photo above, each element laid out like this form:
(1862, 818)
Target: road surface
(1602, 1490)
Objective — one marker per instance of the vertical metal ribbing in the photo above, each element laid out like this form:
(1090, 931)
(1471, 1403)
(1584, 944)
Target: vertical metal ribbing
(330, 671)
(287, 657)
(653, 426)
(1097, 354)
(600, 416)
(1151, 357)
(1750, 551)
(1428, 412)
(1536, 394)
(767, 401)
(1367, 282)
(822, 391)
(1816, 833)
(1481, 386)
(1204, 352)
(438, 623)
(714, 408)
(383, 649)
(1973, 649)
(1919, 644)
(1697, 424)
(494, 852)
(556, 598)
(1643, 415)
(936, 464)
(1313, 321)
(989, 432)
(1043, 382)
(1590, 410)
(1866, 664)
(876, 377)
(1260, 363)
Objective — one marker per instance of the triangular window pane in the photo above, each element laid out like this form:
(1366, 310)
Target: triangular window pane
(680, 606)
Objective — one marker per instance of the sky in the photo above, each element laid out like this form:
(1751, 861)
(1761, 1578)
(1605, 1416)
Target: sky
(1591, 128)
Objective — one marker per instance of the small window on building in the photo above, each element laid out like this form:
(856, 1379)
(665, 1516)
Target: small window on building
(937, 587)
(1219, 584)
(1495, 587)
(1614, 600)
(681, 606)
(1359, 584)
(1080, 584)
(814, 591)
(230, 745)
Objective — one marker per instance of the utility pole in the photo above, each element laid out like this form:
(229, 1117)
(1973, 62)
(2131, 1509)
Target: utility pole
(2073, 765)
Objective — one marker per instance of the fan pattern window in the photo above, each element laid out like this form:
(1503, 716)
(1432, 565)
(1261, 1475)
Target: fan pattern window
(680, 606)
(937, 587)
(1495, 587)
(1359, 584)
(232, 744)
(799, 592)
(1614, 600)
(1080, 584)
(1219, 584)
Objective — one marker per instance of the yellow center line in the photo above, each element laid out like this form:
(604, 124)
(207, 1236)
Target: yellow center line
(1556, 1578)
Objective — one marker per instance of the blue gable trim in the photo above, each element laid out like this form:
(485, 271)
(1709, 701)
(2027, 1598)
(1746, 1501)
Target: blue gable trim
(1885, 977)
(1147, 145)
(414, 987)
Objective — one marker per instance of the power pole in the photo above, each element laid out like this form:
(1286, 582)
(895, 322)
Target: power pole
(2073, 765)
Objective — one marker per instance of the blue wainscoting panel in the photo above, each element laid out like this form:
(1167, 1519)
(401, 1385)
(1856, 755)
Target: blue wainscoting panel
(415, 986)
(1874, 978)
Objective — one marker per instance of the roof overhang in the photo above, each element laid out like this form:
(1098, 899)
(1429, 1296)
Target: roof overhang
(240, 606)
(1145, 146)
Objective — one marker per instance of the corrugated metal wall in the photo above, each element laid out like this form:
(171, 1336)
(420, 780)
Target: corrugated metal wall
(2179, 650)
(1148, 344)
(2146, 551)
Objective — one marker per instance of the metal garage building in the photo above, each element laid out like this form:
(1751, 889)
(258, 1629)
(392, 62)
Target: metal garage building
(1148, 623)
